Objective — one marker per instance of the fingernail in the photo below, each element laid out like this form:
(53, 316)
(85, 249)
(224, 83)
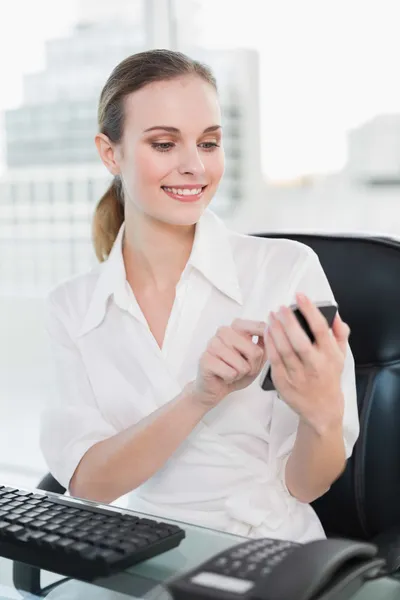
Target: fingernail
(301, 297)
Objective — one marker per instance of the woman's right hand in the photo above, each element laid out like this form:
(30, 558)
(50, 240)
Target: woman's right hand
(231, 361)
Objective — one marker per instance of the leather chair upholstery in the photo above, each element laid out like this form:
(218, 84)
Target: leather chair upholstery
(364, 274)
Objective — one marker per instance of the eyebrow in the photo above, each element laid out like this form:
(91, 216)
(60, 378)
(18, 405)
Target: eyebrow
(175, 130)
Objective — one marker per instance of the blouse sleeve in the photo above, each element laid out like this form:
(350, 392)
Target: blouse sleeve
(312, 281)
(72, 422)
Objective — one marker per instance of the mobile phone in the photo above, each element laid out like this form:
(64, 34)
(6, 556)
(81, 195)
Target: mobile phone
(329, 311)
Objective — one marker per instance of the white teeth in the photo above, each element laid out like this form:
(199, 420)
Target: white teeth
(183, 192)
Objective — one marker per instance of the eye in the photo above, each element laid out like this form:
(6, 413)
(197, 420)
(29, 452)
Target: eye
(209, 146)
(162, 146)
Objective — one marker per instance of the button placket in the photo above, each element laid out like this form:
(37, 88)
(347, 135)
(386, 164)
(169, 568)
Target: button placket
(190, 309)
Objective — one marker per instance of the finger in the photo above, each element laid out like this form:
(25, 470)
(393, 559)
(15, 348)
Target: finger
(251, 352)
(261, 345)
(300, 341)
(278, 369)
(217, 368)
(317, 322)
(283, 346)
(341, 332)
(273, 354)
(229, 356)
(248, 327)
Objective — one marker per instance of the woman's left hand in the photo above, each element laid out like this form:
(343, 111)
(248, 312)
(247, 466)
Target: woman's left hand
(308, 376)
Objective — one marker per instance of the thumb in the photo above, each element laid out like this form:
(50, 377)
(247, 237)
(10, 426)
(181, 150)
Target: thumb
(341, 332)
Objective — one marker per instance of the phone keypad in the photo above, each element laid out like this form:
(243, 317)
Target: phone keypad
(252, 559)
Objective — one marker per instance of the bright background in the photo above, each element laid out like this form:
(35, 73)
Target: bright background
(311, 103)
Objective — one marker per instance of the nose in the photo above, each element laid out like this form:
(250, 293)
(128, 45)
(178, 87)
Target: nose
(190, 162)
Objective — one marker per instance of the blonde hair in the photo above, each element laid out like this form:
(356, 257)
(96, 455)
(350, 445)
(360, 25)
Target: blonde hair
(130, 75)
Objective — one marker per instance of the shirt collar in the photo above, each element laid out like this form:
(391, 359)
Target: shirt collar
(211, 255)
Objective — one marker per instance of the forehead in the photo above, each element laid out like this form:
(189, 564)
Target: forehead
(185, 103)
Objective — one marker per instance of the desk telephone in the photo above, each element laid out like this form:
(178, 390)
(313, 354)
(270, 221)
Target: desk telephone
(266, 569)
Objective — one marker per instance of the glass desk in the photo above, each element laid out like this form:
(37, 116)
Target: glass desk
(144, 581)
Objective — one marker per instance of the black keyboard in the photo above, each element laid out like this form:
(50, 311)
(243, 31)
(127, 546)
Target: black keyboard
(79, 539)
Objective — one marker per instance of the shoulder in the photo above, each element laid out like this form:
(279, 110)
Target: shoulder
(70, 299)
(281, 253)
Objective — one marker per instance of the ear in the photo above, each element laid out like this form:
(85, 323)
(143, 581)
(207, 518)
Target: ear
(108, 153)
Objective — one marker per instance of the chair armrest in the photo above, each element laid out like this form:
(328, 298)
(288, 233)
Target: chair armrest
(50, 484)
(389, 548)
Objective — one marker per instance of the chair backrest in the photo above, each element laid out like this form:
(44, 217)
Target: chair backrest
(364, 274)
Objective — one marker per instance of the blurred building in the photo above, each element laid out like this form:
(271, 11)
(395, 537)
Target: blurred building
(57, 121)
(361, 198)
(54, 176)
(374, 151)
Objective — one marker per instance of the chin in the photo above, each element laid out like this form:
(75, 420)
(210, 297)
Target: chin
(184, 215)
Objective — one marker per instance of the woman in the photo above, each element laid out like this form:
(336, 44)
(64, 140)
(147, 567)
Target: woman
(160, 347)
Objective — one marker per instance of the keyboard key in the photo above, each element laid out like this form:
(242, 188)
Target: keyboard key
(65, 543)
(81, 547)
(36, 525)
(79, 535)
(65, 531)
(11, 518)
(50, 527)
(43, 517)
(33, 502)
(15, 529)
(37, 535)
(25, 521)
(51, 539)
(23, 493)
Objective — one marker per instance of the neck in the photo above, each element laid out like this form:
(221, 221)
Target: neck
(155, 253)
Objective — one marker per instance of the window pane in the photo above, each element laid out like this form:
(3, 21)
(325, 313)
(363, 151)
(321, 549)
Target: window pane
(315, 87)
(50, 180)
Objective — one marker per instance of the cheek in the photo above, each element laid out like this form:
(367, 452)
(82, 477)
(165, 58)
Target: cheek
(215, 166)
(150, 166)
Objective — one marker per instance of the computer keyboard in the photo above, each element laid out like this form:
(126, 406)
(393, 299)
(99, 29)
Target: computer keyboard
(77, 538)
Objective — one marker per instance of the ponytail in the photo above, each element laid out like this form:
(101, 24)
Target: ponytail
(107, 220)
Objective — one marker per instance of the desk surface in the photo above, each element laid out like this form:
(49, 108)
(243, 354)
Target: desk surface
(144, 581)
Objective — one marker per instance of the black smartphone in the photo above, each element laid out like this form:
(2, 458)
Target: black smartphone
(329, 311)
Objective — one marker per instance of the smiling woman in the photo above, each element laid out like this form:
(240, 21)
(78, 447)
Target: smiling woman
(160, 346)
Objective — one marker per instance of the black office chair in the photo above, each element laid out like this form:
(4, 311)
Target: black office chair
(364, 274)
(364, 503)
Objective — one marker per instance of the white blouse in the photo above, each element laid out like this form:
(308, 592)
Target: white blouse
(229, 473)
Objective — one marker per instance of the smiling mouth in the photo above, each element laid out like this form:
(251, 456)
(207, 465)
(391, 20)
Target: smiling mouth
(184, 192)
